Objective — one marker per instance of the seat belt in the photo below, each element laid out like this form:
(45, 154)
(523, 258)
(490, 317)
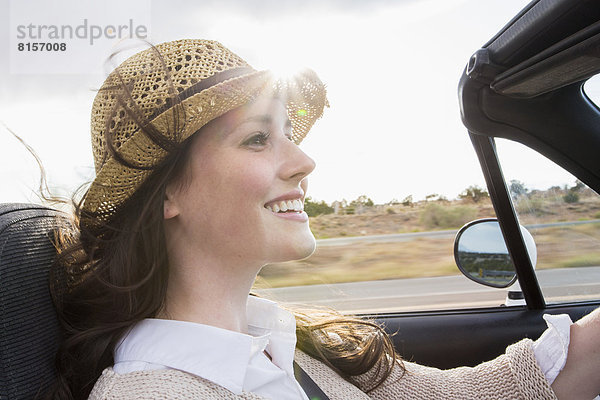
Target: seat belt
(311, 389)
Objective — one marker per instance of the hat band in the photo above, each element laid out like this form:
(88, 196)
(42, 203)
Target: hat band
(204, 84)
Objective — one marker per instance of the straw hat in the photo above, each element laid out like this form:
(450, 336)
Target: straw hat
(161, 96)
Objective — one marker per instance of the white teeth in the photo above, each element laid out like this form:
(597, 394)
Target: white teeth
(286, 205)
(297, 205)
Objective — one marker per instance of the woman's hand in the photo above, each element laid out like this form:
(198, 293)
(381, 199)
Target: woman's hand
(580, 378)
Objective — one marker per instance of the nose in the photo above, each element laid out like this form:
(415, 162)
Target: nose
(296, 163)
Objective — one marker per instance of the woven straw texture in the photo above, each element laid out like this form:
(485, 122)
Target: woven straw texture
(161, 96)
(514, 375)
(30, 331)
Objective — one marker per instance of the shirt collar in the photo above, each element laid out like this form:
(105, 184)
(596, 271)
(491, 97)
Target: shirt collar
(216, 354)
(265, 317)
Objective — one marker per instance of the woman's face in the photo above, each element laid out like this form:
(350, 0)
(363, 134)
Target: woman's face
(244, 189)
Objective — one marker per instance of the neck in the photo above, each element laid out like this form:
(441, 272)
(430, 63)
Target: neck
(210, 293)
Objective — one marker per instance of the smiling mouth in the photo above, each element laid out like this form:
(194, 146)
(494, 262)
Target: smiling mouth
(286, 206)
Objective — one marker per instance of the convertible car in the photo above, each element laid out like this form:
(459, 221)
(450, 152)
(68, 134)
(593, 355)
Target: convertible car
(525, 85)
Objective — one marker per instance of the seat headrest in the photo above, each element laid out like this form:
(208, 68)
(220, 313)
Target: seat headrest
(30, 332)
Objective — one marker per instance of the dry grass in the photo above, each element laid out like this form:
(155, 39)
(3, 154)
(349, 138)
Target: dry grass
(421, 257)
(383, 219)
(558, 247)
(569, 246)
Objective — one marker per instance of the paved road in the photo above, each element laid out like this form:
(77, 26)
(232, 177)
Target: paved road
(435, 293)
(402, 237)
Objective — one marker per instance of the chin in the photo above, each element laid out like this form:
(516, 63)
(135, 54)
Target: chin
(299, 249)
(307, 248)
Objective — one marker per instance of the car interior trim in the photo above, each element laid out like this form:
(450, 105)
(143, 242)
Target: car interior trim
(507, 218)
(572, 60)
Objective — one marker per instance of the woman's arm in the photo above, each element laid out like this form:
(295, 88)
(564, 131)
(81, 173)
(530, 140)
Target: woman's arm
(580, 378)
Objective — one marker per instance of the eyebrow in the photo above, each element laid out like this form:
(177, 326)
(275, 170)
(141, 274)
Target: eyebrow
(262, 118)
(266, 119)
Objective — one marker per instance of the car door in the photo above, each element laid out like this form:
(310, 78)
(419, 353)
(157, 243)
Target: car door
(525, 86)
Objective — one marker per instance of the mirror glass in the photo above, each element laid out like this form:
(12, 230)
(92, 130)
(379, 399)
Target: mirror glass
(482, 256)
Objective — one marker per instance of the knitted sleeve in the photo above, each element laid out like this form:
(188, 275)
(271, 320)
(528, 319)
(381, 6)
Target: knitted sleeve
(513, 375)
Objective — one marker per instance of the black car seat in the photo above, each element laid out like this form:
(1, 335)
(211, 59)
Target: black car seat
(29, 330)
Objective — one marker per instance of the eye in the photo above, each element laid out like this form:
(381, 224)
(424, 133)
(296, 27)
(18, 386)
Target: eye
(257, 140)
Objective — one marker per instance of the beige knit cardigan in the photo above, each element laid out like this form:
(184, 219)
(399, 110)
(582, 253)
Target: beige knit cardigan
(513, 375)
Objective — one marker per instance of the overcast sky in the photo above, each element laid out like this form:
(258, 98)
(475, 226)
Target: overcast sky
(391, 69)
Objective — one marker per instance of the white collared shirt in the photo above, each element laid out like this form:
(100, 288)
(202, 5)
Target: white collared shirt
(230, 359)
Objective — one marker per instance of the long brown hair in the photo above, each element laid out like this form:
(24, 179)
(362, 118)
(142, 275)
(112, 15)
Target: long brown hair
(111, 274)
(108, 278)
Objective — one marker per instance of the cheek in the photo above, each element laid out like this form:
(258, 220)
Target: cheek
(246, 182)
(231, 194)
(237, 222)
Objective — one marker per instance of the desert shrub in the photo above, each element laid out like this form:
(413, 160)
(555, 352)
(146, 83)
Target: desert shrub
(314, 208)
(362, 200)
(530, 205)
(390, 211)
(571, 197)
(437, 216)
(517, 188)
(474, 193)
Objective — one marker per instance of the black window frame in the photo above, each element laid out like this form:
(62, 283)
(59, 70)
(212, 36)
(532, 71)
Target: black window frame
(526, 85)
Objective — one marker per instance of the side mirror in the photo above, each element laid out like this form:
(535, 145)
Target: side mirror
(482, 256)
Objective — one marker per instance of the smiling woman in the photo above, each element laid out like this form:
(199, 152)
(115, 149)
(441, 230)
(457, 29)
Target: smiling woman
(199, 183)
